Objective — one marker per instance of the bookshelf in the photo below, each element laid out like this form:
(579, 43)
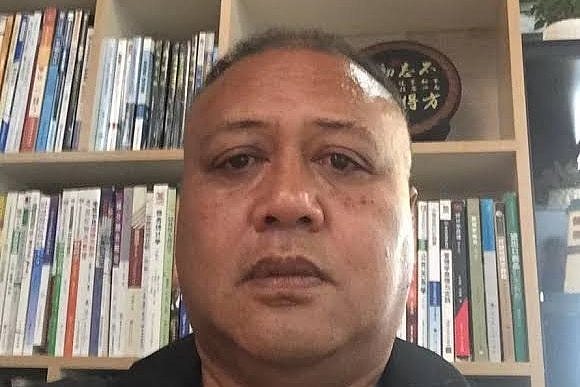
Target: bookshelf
(487, 150)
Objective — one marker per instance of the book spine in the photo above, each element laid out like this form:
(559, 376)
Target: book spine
(33, 116)
(8, 227)
(67, 271)
(434, 274)
(516, 278)
(209, 54)
(505, 303)
(73, 290)
(71, 115)
(8, 23)
(192, 67)
(184, 325)
(422, 274)
(490, 279)
(81, 339)
(117, 95)
(167, 267)
(22, 90)
(116, 296)
(186, 93)
(155, 95)
(68, 82)
(36, 274)
(145, 274)
(106, 78)
(27, 261)
(163, 91)
(179, 104)
(174, 306)
(40, 330)
(447, 329)
(58, 102)
(50, 88)
(135, 291)
(78, 135)
(462, 340)
(102, 241)
(171, 94)
(107, 244)
(124, 268)
(411, 304)
(144, 94)
(131, 90)
(480, 349)
(11, 76)
(200, 64)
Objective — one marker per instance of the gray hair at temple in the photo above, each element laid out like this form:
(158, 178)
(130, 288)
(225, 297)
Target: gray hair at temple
(315, 40)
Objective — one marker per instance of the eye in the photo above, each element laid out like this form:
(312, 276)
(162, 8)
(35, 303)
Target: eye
(340, 162)
(238, 162)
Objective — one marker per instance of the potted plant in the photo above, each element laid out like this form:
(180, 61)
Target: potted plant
(560, 17)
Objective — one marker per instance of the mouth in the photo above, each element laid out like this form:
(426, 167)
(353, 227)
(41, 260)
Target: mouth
(295, 272)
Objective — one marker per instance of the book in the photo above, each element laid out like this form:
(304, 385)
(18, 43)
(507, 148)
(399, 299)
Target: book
(105, 81)
(145, 270)
(6, 26)
(142, 115)
(447, 313)
(180, 96)
(184, 325)
(6, 237)
(411, 304)
(434, 276)
(31, 122)
(422, 274)
(170, 112)
(200, 63)
(477, 312)
(161, 107)
(155, 95)
(174, 306)
(78, 129)
(490, 279)
(15, 54)
(116, 282)
(167, 267)
(516, 278)
(117, 96)
(134, 51)
(462, 339)
(50, 96)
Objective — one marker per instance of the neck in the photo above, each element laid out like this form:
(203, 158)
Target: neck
(227, 365)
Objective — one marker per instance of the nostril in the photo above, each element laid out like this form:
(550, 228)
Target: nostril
(270, 219)
(305, 220)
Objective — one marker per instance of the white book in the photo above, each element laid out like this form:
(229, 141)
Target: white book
(27, 261)
(107, 251)
(70, 69)
(36, 270)
(145, 273)
(422, 274)
(447, 310)
(134, 299)
(88, 236)
(23, 84)
(48, 258)
(134, 51)
(11, 71)
(102, 103)
(209, 49)
(434, 274)
(7, 237)
(71, 218)
(157, 255)
(144, 92)
(117, 96)
(200, 60)
(84, 75)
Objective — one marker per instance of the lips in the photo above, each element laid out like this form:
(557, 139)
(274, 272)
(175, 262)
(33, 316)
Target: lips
(296, 271)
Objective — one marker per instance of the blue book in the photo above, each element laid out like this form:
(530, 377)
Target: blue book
(103, 248)
(490, 279)
(434, 279)
(51, 84)
(15, 69)
(184, 325)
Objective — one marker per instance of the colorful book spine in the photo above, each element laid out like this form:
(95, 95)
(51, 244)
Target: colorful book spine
(167, 267)
(103, 248)
(31, 122)
(50, 89)
(142, 115)
(36, 274)
(505, 303)
(447, 328)
(490, 279)
(105, 80)
(462, 340)
(11, 76)
(132, 86)
(184, 324)
(411, 309)
(434, 275)
(40, 330)
(22, 91)
(6, 24)
(117, 96)
(516, 278)
(422, 274)
(478, 319)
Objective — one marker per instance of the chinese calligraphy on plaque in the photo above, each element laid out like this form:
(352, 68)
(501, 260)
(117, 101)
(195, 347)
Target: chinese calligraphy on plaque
(428, 84)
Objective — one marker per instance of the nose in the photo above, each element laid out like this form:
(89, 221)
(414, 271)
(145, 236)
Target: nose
(288, 201)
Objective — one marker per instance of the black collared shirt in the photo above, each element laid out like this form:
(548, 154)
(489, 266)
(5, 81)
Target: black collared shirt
(178, 365)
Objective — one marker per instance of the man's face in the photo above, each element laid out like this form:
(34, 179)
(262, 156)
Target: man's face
(295, 225)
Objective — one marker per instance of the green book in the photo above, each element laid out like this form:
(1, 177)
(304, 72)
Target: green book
(167, 268)
(478, 316)
(516, 279)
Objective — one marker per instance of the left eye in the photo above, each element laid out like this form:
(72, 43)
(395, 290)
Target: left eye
(340, 162)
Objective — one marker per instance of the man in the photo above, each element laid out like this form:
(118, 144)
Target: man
(294, 242)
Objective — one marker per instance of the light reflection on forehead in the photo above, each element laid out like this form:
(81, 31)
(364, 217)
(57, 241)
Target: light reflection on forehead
(369, 85)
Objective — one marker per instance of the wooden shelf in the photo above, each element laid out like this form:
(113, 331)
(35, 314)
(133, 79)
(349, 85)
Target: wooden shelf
(494, 369)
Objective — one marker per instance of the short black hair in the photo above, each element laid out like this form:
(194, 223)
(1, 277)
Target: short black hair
(312, 39)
